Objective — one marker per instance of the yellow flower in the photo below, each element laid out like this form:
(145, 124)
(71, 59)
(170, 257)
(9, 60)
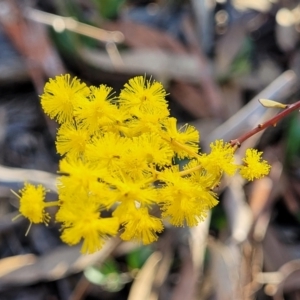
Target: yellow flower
(147, 120)
(118, 155)
(81, 220)
(107, 149)
(79, 174)
(103, 194)
(183, 200)
(98, 111)
(133, 189)
(118, 124)
(200, 176)
(144, 153)
(32, 203)
(140, 94)
(71, 139)
(153, 149)
(124, 210)
(220, 159)
(61, 95)
(186, 210)
(142, 227)
(254, 167)
(183, 141)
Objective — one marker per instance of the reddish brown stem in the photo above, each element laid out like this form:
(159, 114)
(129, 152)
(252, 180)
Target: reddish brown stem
(272, 122)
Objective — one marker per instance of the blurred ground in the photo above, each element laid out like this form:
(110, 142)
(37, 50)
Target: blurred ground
(216, 58)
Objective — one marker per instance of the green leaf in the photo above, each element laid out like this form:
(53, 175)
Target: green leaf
(292, 154)
(107, 276)
(137, 257)
(108, 9)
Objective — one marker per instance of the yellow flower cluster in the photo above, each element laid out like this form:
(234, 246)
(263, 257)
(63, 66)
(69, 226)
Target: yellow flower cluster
(117, 164)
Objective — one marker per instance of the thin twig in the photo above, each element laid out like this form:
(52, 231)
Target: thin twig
(271, 122)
